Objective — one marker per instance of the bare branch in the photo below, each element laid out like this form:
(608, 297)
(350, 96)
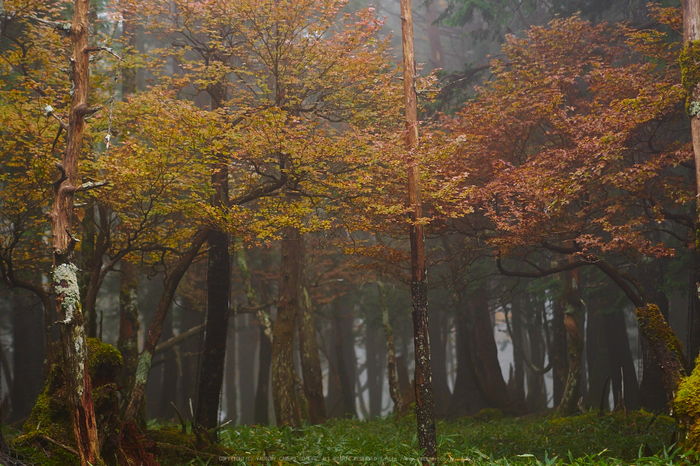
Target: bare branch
(64, 27)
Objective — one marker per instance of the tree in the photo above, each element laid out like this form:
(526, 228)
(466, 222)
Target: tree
(556, 156)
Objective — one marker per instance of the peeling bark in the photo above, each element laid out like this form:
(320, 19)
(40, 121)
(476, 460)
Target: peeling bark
(65, 279)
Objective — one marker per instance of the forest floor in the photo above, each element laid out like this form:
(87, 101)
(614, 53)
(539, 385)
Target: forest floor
(588, 439)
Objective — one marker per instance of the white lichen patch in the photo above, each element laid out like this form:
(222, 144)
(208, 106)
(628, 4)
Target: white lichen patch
(65, 284)
(143, 367)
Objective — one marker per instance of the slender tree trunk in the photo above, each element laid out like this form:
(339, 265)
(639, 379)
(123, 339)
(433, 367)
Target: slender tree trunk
(127, 343)
(558, 350)
(262, 390)
(168, 392)
(394, 390)
(65, 280)
(28, 355)
(622, 371)
(374, 363)
(536, 398)
(283, 392)
(154, 331)
(238, 357)
(517, 386)
(345, 359)
(425, 415)
(247, 335)
(438, 352)
(310, 361)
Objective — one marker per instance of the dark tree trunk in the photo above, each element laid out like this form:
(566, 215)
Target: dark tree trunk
(168, 392)
(558, 350)
(211, 371)
(466, 398)
(283, 391)
(516, 386)
(693, 328)
(621, 362)
(597, 356)
(171, 283)
(248, 335)
(28, 355)
(438, 349)
(262, 391)
(127, 343)
(310, 361)
(343, 350)
(483, 354)
(572, 312)
(375, 372)
(653, 394)
(392, 375)
(536, 399)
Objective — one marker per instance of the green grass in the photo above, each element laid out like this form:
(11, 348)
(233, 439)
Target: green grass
(612, 439)
(620, 438)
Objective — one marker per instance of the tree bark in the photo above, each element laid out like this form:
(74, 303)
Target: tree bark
(310, 361)
(425, 415)
(394, 389)
(283, 392)
(211, 371)
(572, 311)
(154, 331)
(65, 279)
(127, 343)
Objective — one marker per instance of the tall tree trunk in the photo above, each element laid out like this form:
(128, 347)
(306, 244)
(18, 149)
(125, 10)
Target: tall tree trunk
(65, 280)
(168, 393)
(483, 354)
(248, 336)
(572, 311)
(622, 372)
(374, 362)
(466, 397)
(211, 371)
(262, 391)
(283, 392)
(425, 403)
(171, 283)
(394, 390)
(536, 398)
(438, 352)
(127, 343)
(28, 355)
(558, 350)
(235, 355)
(517, 385)
(345, 359)
(310, 361)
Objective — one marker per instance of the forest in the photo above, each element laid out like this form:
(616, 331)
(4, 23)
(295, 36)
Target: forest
(349, 232)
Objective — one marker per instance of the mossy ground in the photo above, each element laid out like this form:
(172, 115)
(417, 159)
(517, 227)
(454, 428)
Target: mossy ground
(589, 439)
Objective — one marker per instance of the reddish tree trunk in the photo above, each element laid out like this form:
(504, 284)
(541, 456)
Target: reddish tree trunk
(425, 415)
(65, 280)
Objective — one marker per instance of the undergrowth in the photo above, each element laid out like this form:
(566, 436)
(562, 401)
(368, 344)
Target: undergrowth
(637, 438)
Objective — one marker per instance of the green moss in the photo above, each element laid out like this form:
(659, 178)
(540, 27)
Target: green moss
(659, 330)
(689, 60)
(51, 416)
(686, 407)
